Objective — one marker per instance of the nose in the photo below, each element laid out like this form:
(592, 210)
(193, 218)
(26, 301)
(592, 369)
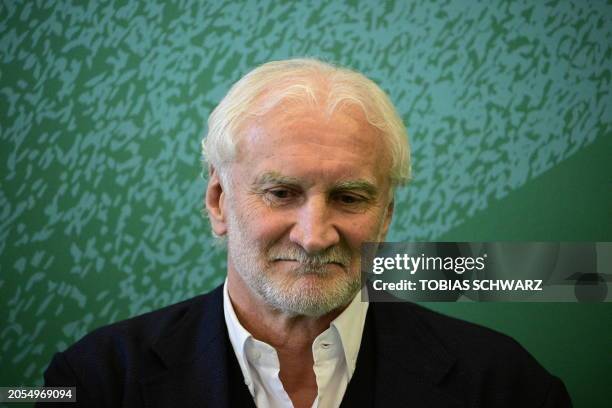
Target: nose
(314, 229)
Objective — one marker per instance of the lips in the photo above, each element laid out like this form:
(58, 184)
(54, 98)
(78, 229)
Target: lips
(309, 264)
(332, 256)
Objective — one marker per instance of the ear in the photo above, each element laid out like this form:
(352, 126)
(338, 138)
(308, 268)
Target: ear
(215, 203)
(387, 219)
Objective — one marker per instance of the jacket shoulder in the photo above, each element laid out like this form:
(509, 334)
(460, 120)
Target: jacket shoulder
(458, 337)
(487, 368)
(122, 353)
(137, 333)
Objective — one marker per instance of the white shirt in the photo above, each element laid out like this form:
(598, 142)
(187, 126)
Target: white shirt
(334, 353)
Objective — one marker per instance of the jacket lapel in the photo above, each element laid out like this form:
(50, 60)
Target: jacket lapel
(195, 357)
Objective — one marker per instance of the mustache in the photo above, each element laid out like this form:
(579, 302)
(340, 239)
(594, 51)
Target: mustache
(333, 255)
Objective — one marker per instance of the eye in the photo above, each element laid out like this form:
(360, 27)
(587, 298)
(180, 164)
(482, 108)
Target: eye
(350, 199)
(280, 193)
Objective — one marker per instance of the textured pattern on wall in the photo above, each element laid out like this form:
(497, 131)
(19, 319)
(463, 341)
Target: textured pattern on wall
(103, 106)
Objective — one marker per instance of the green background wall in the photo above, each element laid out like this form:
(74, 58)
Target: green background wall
(103, 105)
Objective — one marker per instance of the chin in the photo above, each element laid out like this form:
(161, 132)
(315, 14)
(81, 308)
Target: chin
(311, 294)
(297, 280)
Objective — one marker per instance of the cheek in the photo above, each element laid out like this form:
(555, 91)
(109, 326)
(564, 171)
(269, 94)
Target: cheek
(361, 230)
(266, 227)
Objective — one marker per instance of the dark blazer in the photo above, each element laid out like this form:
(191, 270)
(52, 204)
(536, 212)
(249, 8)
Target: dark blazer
(180, 356)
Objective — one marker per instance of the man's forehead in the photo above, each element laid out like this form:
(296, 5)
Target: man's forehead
(303, 122)
(300, 143)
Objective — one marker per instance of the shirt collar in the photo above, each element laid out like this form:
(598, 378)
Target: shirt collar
(238, 335)
(349, 325)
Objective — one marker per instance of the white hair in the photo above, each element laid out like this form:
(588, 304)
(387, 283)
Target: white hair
(299, 80)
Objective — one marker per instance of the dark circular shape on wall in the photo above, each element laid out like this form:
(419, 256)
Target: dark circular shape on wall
(590, 287)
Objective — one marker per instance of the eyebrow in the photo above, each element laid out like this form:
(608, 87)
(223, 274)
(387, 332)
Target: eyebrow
(274, 177)
(363, 185)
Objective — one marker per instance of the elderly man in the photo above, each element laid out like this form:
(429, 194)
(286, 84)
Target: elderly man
(303, 160)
